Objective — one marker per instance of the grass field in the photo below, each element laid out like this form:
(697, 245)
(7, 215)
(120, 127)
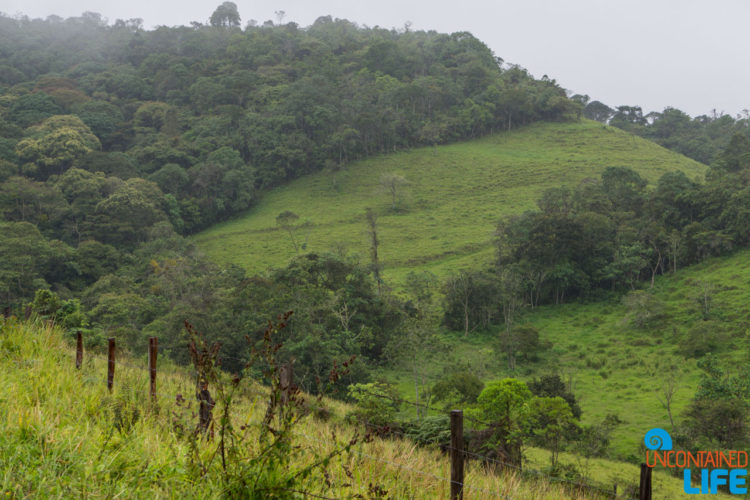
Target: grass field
(447, 213)
(58, 438)
(62, 435)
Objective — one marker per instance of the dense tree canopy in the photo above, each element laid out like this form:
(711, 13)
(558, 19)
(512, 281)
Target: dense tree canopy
(702, 138)
(212, 115)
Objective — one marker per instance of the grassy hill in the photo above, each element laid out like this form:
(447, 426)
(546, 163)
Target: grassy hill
(62, 435)
(615, 367)
(447, 213)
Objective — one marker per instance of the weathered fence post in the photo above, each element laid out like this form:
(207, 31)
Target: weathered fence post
(27, 313)
(457, 454)
(79, 349)
(6, 312)
(644, 493)
(286, 381)
(111, 364)
(205, 412)
(153, 347)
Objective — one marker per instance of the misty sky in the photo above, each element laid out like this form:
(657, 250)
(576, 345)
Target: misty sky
(689, 54)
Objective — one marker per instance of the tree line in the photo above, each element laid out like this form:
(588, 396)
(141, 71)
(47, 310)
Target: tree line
(213, 114)
(603, 235)
(701, 138)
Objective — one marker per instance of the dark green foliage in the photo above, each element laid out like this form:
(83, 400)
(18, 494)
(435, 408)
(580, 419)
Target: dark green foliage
(225, 16)
(429, 431)
(125, 217)
(8, 152)
(95, 260)
(471, 301)
(703, 138)
(374, 403)
(612, 233)
(625, 188)
(30, 109)
(718, 414)
(115, 164)
(287, 99)
(553, 386)
(522, 343)
(171, 178)
(337, 314)
(24, 200)
(594, 440)
(7, 168)
(46, 303)
(629, 118)
(735, 157)
(26, 257)
(103, 118)
(705, 337)
(457, 389)
(596, 110)
(211, 115)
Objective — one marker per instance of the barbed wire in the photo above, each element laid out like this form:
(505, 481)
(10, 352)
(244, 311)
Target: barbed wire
(386, 430)
(424, 406)
(412, 469)
(549, 477)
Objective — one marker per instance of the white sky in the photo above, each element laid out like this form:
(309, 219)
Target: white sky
(689, 54)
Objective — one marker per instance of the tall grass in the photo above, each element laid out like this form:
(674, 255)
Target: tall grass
(62, 435)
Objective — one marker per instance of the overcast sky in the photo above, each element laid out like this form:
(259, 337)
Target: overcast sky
(689, 54)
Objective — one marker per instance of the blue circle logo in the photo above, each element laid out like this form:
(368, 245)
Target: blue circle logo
(658, 439)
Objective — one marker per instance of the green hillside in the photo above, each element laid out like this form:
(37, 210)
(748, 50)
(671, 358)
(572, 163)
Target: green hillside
(63, 435)
(454, 197)
(616, 368)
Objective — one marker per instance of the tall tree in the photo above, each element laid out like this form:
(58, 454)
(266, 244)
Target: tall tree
(372, 229)
(225, 16)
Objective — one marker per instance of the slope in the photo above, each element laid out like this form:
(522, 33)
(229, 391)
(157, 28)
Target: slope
(62, 435)
(446, 210)
(615, 367)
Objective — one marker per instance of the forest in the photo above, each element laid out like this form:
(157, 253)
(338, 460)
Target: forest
(117, 142)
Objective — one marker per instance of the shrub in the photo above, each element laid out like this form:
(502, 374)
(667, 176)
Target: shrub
(374, 402)
(644, 310)
(703, 338)
(457, 388)
(434, 430)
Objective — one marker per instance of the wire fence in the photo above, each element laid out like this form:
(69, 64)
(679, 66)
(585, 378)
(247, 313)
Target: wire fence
(387, 431)
(392, 463)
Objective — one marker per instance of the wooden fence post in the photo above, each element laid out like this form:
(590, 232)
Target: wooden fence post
(286, 381)
(27, 313)
(206, 408)
(153, 348)
(79, 349)
(644, 493)
(111, 364)
(6, 312)
(457, 454)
